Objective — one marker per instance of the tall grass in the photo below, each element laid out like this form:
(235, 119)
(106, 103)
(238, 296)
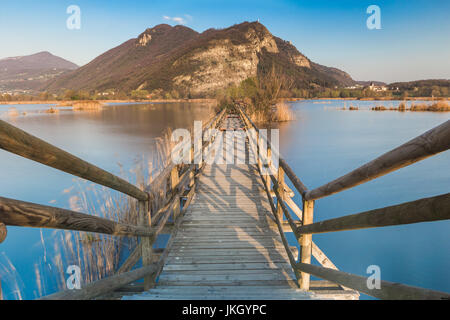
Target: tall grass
(282, 112)
(99, 256)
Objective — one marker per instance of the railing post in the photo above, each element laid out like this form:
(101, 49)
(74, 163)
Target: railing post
(280, 181)
(174, 180)
(146, 242)
(306, 242)
(269, 167)
(3, 232)
(258, 158)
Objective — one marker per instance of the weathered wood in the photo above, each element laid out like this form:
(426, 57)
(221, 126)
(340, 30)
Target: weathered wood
(17, 141)
(3, 231)
(146, 243)
(100, 287)
(295, 209)
(26, 214)
(278, 222)
(423, 210)
(132, 259)
(281, 193)
(430, 143)
(295, 180)
(388, 290)
(282, 163)
(306, 242)
(174, 181)
(177, 223)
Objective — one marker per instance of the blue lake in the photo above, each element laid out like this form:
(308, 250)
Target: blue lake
(323, 143)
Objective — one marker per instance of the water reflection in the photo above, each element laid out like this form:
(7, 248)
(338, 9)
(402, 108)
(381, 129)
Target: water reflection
(118, 134)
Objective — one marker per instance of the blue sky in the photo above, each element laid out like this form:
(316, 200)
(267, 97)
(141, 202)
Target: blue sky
(413, 43)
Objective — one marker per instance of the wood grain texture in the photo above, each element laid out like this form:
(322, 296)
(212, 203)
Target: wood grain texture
(26, 214)
(422, 210)
(388, 290)
(3, 232)
(430, 143)
(101, 287)
(19, 142)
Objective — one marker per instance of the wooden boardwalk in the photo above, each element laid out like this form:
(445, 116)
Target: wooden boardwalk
(228, 224)
(227, 246)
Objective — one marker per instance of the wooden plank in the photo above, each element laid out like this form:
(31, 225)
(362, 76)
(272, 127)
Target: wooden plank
(131, 261)
(19, 142)
(27, 214)
(3, 233)
(227, 266)
(423, 210)
(146, 243)
(103, 286)
(306, 243)
(295, 180)
(429, 143)
(388, 290)
(223, 277)
(228, 259)
(226, 252)
(226, 282)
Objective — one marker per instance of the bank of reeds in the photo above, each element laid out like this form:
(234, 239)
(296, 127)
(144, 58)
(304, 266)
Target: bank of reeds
(98, 256)
(88, 105)
(282, 112)
(439, 106)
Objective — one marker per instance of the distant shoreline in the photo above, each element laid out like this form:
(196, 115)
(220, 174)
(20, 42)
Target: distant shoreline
(57, 102)
(373, 99)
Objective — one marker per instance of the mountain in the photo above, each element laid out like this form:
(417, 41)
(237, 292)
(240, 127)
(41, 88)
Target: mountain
(166, 58)
(27, 73)
(410, 85)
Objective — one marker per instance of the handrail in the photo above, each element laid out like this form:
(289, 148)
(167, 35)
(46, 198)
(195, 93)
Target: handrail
(428, 209)
(423, 210)
(429, 143)
(26, 214)
(103, 286)
(20, 213)
(316, 252)
(387, 290)
(19, 142)
(298, 184)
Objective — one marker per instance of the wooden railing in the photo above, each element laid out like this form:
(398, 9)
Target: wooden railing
(429, 209)
(154, 212)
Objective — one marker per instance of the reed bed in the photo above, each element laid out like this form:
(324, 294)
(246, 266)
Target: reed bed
(439, 106)
(280, 112)
(98, 256)
(87, 106)
(90, 105)
(283, 112)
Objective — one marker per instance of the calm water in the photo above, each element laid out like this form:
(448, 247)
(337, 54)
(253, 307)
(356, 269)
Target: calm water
(321, 145)
(325, 143)
(119, 134)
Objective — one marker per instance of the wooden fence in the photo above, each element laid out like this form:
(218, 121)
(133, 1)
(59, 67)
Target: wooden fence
(180, 180)
(435, 208)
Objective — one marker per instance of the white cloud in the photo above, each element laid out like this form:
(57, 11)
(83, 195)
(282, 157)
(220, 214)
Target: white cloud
(179, 20)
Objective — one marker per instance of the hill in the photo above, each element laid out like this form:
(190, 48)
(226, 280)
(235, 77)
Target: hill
(28, 73)
(181, 60)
